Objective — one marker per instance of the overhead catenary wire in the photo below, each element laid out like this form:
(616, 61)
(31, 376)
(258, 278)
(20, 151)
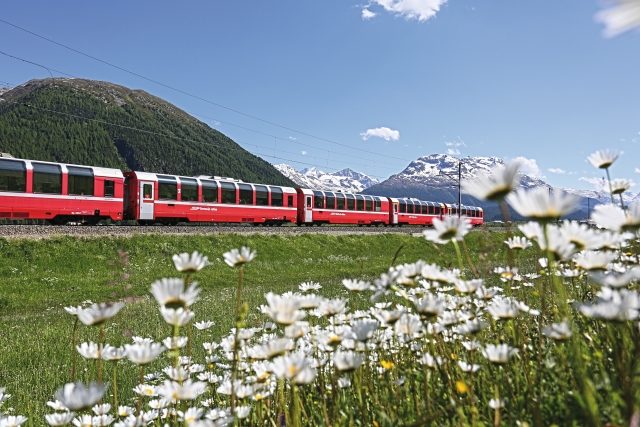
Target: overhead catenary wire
(202, 116)
(194, 96)
(160, 134)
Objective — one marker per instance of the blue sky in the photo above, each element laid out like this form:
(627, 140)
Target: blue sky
(488, 78)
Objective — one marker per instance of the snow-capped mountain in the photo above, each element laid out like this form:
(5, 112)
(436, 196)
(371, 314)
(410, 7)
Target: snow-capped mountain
(435, 177)
(346, 180)
(441, 170)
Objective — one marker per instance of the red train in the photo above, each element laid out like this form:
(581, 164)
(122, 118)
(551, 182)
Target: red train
(62, 193)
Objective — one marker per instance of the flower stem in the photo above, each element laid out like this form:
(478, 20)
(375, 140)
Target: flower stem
(458, 255)
(74, 352)
(610, 187)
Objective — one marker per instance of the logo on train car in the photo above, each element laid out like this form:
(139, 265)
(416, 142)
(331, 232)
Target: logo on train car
(202, 208)
(337, 214)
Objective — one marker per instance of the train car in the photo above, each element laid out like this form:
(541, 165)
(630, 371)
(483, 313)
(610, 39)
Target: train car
(327, 207)
(473, 213)
(169, 199)
(418, 212)
(59, 192)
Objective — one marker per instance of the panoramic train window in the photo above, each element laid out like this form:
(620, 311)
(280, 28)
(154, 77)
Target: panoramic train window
(360, 203)
(425, 209)
(331, 200)
(246, 194)
(228, 193)
(369, 203)
(351, 202)
(189, 189)
(318, 200)
(109, 188)
(276, 196)
(13, 176)
(80, 181)
(167, 187)
(339, 201)
(262, 195)
(403, 206)
(378, 204)
(209, 191)
(47, 178)
(290, 200)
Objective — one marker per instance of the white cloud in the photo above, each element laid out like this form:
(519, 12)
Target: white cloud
(623, 15)
(453, 147)
(303, 152)
(529, 167)
(367, 14)
(596, 183)
(422, 10)
(381, 132)
(637, 170)
(557, 171)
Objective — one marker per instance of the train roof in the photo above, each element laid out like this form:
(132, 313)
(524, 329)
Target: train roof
(97, 170)
(149, 176)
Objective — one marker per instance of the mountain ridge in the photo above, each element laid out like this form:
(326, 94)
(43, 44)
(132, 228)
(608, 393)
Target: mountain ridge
(104, 124)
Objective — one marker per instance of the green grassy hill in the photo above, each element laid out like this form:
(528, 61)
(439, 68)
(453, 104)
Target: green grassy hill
(103, 124)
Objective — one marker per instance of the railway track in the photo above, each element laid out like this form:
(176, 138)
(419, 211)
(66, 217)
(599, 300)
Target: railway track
(46, 231)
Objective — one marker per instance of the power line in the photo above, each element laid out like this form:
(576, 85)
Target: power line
(49, 69)
(77, 116)
(183, 92)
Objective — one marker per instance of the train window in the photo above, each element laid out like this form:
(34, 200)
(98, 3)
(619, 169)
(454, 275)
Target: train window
(378, 204)
(13, 176)
(109, 188)
(80, 181)
(210, 191)
(189, 189)
(331, 201)
(368, 203)
(262, 195)
(47, 178)
(403, 206)
(351, 202)
(167, 187)
(246, 194)
(436, 210)
(339, 201)
(318, 199)
(360, 203)
(146, 191)
(276, 196)
(290, 201)
(425, 209)
(228, 193)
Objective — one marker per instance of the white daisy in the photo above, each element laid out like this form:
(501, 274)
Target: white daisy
(239, 257)
(296, 367)
(309, 286)
(144, 353)
(448, 229)
(59, 418)
(518, 242)
(541, 204)
(499, 354)
(558, 331)
(190, 263)
(619, 186)
(98, 313)
(602, 159)
(172, 294)
(75, 396)
(356, 285)
(187, 390)
(594, 260)
(347, 360)
(614, 218)
(494, 186)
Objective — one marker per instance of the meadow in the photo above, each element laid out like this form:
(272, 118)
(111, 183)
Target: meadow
(41, 277)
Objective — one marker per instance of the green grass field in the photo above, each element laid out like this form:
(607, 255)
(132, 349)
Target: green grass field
(40, 277)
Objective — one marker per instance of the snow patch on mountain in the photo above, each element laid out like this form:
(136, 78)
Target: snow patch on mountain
(346, 180)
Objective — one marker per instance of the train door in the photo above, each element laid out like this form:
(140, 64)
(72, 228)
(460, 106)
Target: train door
(145, 199)
(394, 213)
(308, 208)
